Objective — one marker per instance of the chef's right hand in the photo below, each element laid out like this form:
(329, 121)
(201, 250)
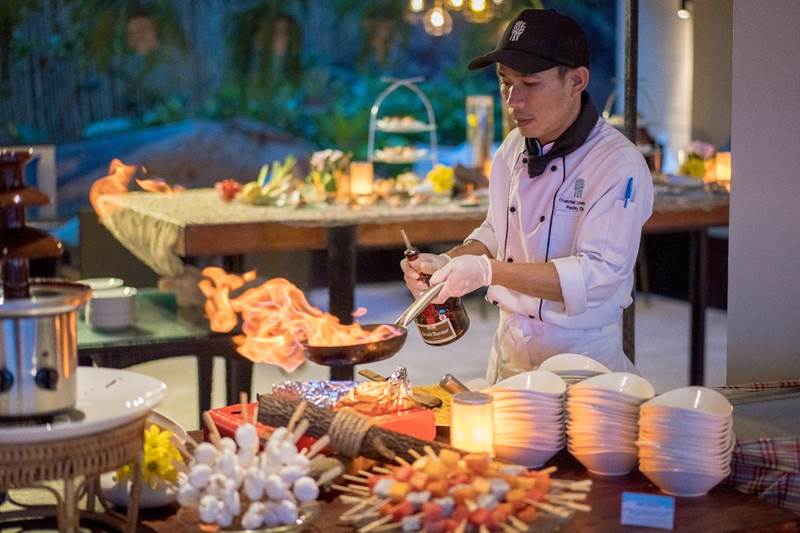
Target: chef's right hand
(427, 264)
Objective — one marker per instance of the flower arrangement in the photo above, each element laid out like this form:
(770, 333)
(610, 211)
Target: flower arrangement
(326, 165)
(697, 154)
(158, 462)
(441, 178)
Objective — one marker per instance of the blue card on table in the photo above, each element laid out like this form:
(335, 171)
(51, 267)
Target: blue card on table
(649, 510)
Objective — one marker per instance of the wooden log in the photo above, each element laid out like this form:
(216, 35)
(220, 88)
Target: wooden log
(378, 444)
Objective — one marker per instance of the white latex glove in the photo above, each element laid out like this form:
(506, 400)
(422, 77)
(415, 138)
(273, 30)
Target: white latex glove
(427, 264)
(462, 275)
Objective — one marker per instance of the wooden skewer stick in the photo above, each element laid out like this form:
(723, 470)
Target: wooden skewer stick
(298, 412)
(386, 527)
(376, 524)
(518, 523)
(381, 470)
(572, 505)
(483, 529)
(347, 488)
(362, 488)
(414, 453)
(351, 477)
(430, 452)
(552, 509)
(577, 486)
(318, 446)
(509, 526)
(330, 474)
(365, 473)
(243, 405)
(254, 418)
(213, 432)
(402, 461)
(549, 470)
(350, 499)
(300, 430)
(347, 515)
(571, 496)
(461, 527)
(193, 443)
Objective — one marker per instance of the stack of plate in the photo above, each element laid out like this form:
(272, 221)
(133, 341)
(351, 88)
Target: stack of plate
(685, 440)
(602, 425)
(573, 367)
(111, 309)
(528, 417)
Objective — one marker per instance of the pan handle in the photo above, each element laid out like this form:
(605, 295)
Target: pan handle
(413, 310)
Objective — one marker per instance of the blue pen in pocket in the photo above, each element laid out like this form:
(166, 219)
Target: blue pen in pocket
(628, 191)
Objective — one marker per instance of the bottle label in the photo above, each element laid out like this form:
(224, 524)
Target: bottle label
(438, 332)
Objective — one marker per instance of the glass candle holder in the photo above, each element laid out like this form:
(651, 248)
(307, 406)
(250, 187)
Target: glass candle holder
(472, 422)
(480, 129)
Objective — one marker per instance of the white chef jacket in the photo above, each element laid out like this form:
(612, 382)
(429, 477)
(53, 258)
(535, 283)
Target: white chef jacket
(575, 216)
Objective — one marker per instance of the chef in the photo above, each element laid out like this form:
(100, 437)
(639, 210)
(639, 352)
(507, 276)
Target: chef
(568, 194)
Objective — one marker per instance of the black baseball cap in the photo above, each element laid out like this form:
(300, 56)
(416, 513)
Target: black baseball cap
(537, 40)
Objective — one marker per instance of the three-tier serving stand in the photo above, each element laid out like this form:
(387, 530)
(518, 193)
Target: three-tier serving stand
(416, 127)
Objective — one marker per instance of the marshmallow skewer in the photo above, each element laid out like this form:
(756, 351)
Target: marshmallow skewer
(213, 432)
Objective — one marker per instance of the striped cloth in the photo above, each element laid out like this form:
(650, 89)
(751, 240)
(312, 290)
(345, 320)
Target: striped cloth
(768, 467)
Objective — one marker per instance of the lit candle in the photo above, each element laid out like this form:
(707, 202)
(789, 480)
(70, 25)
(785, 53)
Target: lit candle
(472, 423)
(361, 175)
(723, 164)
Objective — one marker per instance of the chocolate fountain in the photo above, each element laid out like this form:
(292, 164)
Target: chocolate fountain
(38, 318)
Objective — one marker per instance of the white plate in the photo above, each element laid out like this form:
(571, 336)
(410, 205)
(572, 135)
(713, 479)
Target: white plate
(108, 398)
(568, 362)
(101, 284)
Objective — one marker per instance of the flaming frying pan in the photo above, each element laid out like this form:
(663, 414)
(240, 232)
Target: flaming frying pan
(369, 352)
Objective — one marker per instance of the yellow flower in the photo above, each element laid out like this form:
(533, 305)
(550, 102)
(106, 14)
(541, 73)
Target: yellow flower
(694, 167)
(157, 461)
(442, 178)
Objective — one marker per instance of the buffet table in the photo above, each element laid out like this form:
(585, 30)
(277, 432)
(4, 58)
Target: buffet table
(164, 229)
(723, 509)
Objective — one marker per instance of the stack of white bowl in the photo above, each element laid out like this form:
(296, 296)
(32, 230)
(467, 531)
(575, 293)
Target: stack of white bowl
(573, 367)
(685, 440)
(602, 424)
(528, 417)
(111, 309)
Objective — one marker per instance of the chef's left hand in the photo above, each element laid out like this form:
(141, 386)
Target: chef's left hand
(462, 275)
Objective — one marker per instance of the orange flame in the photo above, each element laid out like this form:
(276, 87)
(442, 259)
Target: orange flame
(119, 176)
(277, 319)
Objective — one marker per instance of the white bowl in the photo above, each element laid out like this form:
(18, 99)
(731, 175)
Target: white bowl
(687, 420)
(99, 284)
(565, 362)
(680, 483)
(621, 382)
(612, 463)
(602, 396)
(699, 399)
(536, 441)
(649, 463)
(524, 455)
(618, 410)
(703, 462)
(540, 381)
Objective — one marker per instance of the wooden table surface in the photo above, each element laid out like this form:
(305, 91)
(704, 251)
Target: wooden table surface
(723, 509)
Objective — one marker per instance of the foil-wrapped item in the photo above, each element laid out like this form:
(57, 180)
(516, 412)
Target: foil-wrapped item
(323, 394)
(380, 398)
(372, 398)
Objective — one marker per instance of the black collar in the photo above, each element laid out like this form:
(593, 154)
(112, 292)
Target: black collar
(568, 142)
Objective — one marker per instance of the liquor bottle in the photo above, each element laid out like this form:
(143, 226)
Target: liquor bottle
(439, 324)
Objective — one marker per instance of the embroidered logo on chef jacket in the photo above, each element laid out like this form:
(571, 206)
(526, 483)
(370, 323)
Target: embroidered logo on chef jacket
(516, 31)
(578, 189)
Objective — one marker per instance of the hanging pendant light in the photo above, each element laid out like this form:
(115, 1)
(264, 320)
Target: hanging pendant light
(414, 10)
(437, 21)
(479, 11)
(683, 11)
(455, 5)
